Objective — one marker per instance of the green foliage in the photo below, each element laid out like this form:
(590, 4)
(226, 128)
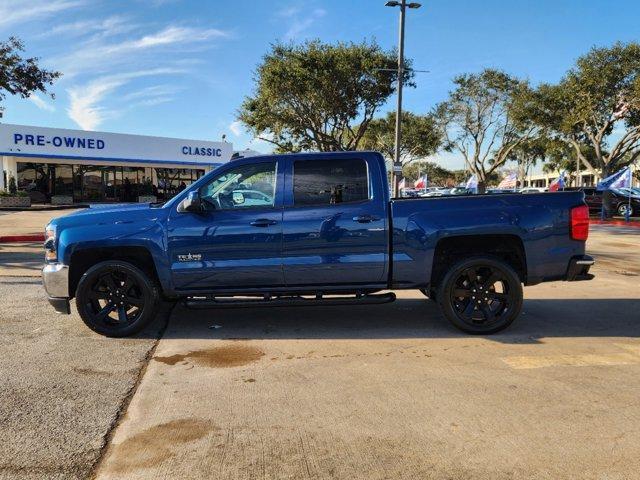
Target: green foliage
(436, 174)
(599, 95)
(12, 185)
(317, 96)
(486, 116)
(21, 76)
(420, 136)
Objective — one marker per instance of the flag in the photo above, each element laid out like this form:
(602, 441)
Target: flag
(620, 179)
(421, 182)
(557, 184)
(510, 181)
(472, 183)
(401, 184)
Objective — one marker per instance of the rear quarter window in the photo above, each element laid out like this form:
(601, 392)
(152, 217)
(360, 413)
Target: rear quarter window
(330, 182)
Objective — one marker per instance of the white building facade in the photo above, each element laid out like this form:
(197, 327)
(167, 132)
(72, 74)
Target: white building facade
(80, 166)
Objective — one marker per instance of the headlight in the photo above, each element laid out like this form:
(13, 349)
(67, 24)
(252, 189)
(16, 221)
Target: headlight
(50, 243)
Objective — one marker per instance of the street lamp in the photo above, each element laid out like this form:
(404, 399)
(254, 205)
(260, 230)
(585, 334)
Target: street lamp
(397, 164)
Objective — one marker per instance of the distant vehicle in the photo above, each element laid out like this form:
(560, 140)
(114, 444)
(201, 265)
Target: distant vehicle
(460, 191)
(533, 190)
(619, 199)
(410, 192)
(500, 190)
(434, 192)
(330, 235)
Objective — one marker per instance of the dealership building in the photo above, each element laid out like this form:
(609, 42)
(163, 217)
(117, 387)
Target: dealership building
(57, 165)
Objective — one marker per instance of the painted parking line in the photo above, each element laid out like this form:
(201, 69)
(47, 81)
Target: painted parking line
(630, 357)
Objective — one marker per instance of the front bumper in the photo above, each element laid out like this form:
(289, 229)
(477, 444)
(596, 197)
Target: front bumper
(578, 268)
(55, 278)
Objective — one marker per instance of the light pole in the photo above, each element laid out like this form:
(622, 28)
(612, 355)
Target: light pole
(397, 164)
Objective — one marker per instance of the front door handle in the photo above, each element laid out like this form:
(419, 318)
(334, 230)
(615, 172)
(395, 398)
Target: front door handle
(365, 218)
(263, 222)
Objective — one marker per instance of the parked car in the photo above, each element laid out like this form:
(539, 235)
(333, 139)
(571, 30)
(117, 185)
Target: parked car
(460, 191)
(533, 190)
(330, 235)
(619, 200)
(500, 190)
(592, 197)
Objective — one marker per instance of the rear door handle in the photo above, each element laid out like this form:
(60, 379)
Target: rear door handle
(263, 222)
(365, 218)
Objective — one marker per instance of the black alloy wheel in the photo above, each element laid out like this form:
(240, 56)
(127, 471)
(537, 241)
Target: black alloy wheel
(116, 299)
(481, 295)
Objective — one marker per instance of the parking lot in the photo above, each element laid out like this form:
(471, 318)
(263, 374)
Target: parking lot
(363, 392)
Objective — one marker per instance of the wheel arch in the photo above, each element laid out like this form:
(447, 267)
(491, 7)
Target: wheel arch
(451, 249)
(83, 259)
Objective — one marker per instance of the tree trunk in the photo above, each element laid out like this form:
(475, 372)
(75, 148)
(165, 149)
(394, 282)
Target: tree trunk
(482, 186)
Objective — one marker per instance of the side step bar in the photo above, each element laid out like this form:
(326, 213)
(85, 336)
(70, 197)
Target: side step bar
(287, 301)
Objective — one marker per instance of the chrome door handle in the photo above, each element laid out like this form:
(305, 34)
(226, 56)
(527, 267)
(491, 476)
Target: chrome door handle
(263, 222)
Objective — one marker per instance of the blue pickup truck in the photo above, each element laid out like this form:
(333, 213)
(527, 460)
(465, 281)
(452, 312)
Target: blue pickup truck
(312, 229)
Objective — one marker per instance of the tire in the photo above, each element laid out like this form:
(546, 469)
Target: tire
(481, 295)
(622, 209)
(116, 299)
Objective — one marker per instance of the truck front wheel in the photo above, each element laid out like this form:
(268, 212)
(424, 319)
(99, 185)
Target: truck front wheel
(116, 299)
(481, 295)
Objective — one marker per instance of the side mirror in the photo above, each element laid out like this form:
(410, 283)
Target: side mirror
(191, 203)
(238, 198)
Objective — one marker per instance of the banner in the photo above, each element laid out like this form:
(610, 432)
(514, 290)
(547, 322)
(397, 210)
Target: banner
(472, 183)
(558, 183)
(421, 183)
(620, 179)
(510, 181)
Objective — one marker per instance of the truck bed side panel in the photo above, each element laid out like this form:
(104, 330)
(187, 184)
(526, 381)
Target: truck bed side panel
(541, 221)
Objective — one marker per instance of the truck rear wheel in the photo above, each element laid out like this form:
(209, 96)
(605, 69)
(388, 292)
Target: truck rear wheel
(481, 295)
(116, 299)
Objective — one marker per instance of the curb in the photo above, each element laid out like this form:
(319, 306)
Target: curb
(616, 223)
(21, 238)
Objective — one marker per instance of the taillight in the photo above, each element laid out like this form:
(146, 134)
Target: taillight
(580, 223)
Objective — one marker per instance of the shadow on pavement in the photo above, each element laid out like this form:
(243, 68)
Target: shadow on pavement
(406, 318)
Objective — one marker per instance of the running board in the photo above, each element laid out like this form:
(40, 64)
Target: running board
(287, 301)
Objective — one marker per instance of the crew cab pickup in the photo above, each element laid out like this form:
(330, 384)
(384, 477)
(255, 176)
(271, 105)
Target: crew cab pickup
(310, 229)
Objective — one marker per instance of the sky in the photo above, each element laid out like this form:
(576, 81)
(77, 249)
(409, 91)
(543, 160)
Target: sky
(181, 68)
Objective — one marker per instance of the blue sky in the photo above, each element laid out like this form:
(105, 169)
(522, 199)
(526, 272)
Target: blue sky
(181, 68)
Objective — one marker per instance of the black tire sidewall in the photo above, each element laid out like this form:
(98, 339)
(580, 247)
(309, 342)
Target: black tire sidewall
(448, 283)
(147, 287)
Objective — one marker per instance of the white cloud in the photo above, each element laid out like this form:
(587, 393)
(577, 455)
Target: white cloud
(110, 26)
(236, 128)
(21, 11)
(301, 20)
(117, 53)
(41, 104)
(85, 106)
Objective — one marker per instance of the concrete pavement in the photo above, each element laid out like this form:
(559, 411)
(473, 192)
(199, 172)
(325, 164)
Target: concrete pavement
(61, 386)
(394, 392)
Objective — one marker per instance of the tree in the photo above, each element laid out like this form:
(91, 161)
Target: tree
(597, 106)
(317, 96)
(436, 174)
(420, 136)
(21, 76)
(486, 116)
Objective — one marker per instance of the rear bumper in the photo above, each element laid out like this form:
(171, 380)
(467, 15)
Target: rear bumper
(578, 268)
(55, 278)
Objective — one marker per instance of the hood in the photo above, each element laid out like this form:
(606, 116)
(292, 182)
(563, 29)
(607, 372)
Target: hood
(119, 214)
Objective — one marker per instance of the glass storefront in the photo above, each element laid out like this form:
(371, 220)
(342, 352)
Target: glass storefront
(101, 183)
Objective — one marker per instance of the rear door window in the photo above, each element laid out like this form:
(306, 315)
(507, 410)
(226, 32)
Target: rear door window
(330, 182)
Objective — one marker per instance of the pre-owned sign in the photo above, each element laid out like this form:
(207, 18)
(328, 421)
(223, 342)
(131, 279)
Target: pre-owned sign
(21, 140)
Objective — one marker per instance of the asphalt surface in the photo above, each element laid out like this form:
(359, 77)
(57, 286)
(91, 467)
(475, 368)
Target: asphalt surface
(366, 392)
(61, 386)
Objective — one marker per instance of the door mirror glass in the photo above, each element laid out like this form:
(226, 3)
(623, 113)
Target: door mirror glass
(191, 203)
